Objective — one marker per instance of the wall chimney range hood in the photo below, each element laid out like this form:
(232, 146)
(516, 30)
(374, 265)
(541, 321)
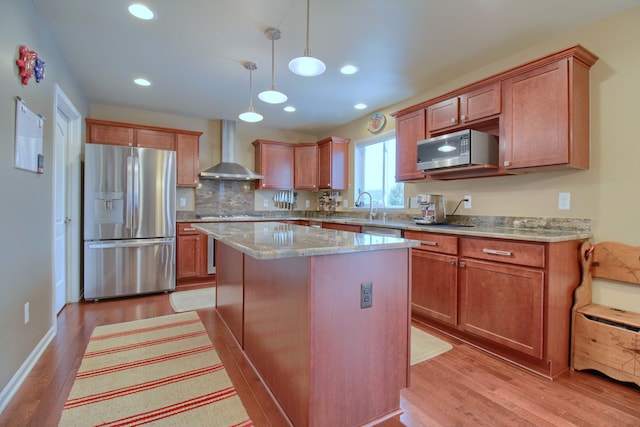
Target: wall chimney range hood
(228, 169)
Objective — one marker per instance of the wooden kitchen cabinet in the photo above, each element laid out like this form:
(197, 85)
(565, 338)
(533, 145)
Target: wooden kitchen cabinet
(191, 256)
(503, 304)
(546, 114)
(274, 161)
(185, 142)
(539, 110)
(188, 160)
(464, 109)
(157, 139)
(109, 133)
(410, 128)
(434, 265)
(305, 166)
(333, 163)
(342, 227)
(511, 298)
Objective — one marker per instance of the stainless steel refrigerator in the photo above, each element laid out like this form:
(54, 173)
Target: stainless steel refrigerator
(129, 221)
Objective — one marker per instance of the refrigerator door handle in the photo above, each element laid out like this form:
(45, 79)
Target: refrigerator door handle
(136, 194)
(129, 206)
(129, 243)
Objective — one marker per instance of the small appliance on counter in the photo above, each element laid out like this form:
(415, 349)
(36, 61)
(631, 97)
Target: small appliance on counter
(432, 206)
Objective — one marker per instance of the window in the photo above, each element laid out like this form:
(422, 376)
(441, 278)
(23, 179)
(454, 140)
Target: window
(375, 171)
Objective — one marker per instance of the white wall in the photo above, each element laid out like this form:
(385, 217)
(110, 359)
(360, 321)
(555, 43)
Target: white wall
(26, 219)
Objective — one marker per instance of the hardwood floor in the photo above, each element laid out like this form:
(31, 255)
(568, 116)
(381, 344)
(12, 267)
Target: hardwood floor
(461, 387)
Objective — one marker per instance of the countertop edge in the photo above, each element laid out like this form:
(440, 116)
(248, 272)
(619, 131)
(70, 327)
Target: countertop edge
(525, 234)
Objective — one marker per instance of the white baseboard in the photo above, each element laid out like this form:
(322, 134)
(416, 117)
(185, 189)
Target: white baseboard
(16, 381)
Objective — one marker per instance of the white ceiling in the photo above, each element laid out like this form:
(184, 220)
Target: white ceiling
(194, 50)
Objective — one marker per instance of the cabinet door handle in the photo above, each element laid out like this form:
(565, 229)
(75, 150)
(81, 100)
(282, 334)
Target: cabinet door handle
(453, 119)
(462, 264)
(429, 243)
(452, 262)
(189, 229)
(463, 117)
(497, 252)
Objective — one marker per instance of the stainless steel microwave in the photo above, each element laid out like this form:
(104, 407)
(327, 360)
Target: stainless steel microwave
(463, 148)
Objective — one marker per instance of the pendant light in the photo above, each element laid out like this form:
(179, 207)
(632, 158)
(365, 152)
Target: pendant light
(307, 65)
(272, 96)
(250, 115)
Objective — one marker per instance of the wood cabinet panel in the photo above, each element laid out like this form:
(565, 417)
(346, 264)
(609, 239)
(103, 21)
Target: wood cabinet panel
(342, 227)
(274, 160)
(433, 242)
(305, 166)
(511, 252)
(191, 256)
(443, 114)
(188, 160)
(434, 290)
(333, 163)
(112, 135)
(504, 304)
(410, 129)
(160, 140)
(230, 288)
(480, 103)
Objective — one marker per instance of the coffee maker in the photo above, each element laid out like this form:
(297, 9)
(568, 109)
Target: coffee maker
(432, 209)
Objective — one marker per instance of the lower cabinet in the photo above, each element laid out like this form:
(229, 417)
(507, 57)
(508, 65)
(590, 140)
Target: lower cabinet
(511, 298)
(504, 304)
(191, 256)
(342, 227)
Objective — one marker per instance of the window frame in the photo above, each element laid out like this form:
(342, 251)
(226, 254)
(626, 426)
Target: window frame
(358, 176)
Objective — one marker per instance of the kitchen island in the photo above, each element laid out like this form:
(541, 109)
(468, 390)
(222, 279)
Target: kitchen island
(295, 299)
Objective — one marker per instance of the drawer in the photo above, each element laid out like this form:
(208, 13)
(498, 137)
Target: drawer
(511, 252)
(432, 242)
(185, 228)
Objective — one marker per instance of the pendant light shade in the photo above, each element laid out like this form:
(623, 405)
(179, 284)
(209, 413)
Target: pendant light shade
(307, 65)
(250, 115)
(272, 96)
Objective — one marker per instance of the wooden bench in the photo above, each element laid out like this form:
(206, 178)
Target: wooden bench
(603, 338)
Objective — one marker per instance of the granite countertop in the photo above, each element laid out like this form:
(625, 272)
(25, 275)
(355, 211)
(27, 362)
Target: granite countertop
(270, 240)
(535, 230)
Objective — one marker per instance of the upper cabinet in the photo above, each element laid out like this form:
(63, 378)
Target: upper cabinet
(540, 110)
(305, 166)
(410, 128)
(188, 160)
(333, 163)
(274, 161)
(185, 142)
(464, 109)
(546, 115)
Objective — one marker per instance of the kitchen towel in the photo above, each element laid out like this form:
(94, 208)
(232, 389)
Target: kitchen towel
(162, 371)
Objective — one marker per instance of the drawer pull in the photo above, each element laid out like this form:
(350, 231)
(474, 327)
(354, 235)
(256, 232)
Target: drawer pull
(497, 252)
(429, 243)
(189, 229)
(452, 262)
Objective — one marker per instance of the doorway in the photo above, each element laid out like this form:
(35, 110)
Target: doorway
(67, 203)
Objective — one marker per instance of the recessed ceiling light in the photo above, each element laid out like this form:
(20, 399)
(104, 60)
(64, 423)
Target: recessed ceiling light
(360, 106)
(349, 69)
(289, 109)
(141, 11)
(142, 82)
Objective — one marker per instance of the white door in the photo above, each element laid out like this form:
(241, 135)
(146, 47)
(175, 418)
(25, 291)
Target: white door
(60, 218)
(66, 203)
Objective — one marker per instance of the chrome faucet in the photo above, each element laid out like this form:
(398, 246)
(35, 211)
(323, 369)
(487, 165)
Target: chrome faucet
(372, 214)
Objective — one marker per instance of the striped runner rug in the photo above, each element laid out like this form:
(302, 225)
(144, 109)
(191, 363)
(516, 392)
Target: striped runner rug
(161, 371)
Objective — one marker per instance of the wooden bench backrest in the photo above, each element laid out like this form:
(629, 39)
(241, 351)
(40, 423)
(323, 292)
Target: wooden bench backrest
(615, 261)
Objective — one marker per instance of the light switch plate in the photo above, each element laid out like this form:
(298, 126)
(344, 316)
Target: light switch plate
(564, 201)
(183, 201)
